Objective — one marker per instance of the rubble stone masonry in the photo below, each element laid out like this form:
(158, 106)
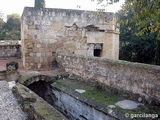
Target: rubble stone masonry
(136, 78)
(45, 32)
(7, 51)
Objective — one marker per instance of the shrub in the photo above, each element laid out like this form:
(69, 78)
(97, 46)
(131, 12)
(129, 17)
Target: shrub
(12, 66)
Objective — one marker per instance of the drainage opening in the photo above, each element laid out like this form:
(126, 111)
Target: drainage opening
(43, 89)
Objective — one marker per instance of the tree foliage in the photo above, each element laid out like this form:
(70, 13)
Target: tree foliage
(39, 3)
(1, 20)
(139, 33)
(11, 28)
(136, 48)
(146, 14)
(103, 4)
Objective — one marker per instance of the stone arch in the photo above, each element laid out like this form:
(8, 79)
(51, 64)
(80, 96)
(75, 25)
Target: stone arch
(34, 76)
(41, 84)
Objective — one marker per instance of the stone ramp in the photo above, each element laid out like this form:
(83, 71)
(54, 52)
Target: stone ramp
(9, 107)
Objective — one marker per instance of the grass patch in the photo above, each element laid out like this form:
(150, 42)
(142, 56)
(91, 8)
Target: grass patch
(99, 95)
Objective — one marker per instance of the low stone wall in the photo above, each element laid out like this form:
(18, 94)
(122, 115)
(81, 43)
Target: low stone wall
(10, 42)
(35, 106)
(136, 78)
(10, 51)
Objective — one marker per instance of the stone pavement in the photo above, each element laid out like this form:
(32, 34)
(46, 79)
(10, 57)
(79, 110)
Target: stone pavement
(21, 69)
(9, 107)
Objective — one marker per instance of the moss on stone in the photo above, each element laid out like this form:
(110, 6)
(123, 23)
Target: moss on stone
(113, 62)
(99, 96)
(27, 76)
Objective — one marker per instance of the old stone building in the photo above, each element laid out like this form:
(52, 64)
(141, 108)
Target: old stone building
(46, 32)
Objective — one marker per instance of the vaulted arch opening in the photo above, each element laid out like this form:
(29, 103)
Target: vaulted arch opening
(98, 50)
(43, 89)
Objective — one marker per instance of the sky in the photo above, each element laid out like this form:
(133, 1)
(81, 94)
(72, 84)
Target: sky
(8, 7)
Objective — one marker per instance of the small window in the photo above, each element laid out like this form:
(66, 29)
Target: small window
(97, 50)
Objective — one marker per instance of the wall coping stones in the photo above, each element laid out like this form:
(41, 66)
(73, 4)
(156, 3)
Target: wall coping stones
(115, 62)
(10, 50)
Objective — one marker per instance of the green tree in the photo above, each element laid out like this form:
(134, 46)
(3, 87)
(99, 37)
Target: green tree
(1, 26)
(146, 19)
(146, 14)
(11, 29)
(135, 48)
(1, 20)
(39, 4)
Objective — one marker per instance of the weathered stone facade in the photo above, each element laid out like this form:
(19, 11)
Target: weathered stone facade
(10, 51)
(46, 32)
(136, 78)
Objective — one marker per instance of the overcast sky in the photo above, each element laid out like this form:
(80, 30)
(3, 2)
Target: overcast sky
(16, 6)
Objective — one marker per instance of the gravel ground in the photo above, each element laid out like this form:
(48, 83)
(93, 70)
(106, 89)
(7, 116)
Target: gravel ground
(9, 107)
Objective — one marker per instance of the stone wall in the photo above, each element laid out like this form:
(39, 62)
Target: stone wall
(48, 31)
(136, 78)
(36, 107)
(10, 51)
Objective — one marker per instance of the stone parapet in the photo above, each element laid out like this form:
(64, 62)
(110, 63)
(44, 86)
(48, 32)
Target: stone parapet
(10, 51)
(136, 78)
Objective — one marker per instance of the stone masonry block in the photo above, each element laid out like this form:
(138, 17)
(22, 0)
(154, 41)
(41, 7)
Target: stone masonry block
(29, 59)
(75, 33)
(37, 59)
(29, 37)
(35, 49)
(29, 45)
(38, 54)
(38, 45)
(41, 50)
(32, 54)
(49, 54)
(46, 60)
(41, 59)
